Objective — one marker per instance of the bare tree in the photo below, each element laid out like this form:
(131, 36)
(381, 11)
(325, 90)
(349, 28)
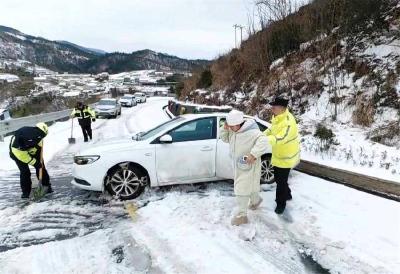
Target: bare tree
(274, 10)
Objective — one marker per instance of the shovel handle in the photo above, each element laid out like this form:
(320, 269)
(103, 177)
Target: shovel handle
(41, 168)
(72, 127)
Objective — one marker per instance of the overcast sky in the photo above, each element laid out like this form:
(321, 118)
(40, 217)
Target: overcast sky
(186, 28)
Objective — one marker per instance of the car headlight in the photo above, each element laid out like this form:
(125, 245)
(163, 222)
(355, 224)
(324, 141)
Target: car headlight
(85, 160)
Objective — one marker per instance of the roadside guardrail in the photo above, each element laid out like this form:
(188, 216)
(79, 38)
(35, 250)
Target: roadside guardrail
(373, 185)
(9, 126)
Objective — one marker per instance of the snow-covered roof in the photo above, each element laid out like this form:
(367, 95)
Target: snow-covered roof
(71, 93)
(9, 77)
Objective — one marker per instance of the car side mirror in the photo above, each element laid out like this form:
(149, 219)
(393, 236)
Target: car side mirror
(166, 139)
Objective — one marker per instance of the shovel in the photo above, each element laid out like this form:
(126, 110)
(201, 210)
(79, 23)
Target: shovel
(41, 190)
(72, 139)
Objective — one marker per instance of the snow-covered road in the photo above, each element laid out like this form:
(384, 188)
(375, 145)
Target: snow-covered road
(327, 228)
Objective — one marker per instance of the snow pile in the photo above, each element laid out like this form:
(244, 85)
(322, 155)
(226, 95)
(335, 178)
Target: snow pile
(9, 77)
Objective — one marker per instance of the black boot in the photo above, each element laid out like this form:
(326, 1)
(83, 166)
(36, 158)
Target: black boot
(49, 189)
(25, 196)
(280, 209)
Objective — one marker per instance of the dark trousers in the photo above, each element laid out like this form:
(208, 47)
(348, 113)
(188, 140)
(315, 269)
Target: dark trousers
(283, 192)
(87, 131)
(25, 176)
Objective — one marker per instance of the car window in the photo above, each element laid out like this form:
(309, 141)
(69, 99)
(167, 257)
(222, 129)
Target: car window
(222, 121)
(160, 128)
(107, 103)
(201, 129)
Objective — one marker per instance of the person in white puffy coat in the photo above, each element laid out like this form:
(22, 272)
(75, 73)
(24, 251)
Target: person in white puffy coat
(247, 144)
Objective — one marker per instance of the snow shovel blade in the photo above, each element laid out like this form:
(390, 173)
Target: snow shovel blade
(71, 140)
(39, 192)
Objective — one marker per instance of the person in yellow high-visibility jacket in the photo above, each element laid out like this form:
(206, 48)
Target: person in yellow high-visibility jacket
(25, 149)
(283, 136)
(85, 117)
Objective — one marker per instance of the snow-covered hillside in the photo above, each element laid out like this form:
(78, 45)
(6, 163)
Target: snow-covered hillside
(185, 229)
(349, 86)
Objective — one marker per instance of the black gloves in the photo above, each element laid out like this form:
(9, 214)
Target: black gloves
(38, 164)
(93, 120)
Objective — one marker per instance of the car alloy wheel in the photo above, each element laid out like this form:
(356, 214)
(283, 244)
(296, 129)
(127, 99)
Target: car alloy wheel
(126, 182)
(267, 171)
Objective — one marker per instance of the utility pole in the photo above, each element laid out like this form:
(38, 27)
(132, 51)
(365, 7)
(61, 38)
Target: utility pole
(241, 30)
(236, 26)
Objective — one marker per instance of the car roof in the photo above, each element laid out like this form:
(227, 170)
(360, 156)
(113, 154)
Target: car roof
(211, 114)
(221, 114)
(108, 99)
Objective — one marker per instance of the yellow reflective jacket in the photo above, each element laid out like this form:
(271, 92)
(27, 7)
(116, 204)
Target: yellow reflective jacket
(283, 136)
(86, 112)
(27, 143)
(25, 156)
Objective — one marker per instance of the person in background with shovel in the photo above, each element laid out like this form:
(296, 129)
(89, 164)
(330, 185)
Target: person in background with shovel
(85, 117)
(26, 149)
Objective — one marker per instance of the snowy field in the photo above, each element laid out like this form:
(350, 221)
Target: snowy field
(327, 228)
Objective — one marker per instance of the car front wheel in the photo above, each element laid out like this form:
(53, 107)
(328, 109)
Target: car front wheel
(267, 170)
(126, 182)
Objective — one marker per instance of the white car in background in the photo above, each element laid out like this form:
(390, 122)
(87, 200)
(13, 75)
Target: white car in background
(140, 97)
(128, 100)
(108, 108)
(184, 150)
(4, 115)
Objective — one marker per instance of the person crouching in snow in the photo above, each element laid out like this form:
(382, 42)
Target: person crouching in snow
(247, 144)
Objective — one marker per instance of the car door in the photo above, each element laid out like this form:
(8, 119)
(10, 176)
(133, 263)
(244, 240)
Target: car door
(191, 155)
(224, 163)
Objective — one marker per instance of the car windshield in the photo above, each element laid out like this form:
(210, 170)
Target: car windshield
(139, 94)
(160, 128)
(127, 97)
(106, 103)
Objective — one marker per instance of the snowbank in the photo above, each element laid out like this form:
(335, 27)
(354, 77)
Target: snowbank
(345, 230)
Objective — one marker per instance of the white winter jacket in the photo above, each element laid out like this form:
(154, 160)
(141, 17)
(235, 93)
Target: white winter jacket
(248, 140)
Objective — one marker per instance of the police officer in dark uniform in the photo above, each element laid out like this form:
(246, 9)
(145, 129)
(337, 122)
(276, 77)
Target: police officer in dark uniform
(26, 149)
(85, 117)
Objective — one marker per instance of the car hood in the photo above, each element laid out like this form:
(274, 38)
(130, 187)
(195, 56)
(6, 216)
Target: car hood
(105, 107)
(111, 145)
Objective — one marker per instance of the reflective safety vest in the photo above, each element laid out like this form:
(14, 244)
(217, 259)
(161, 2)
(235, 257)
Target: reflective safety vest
(283, 136)
(85, 113)
(26, 144)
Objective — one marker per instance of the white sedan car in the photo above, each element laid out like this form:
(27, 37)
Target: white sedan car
(140, 97)
(186, 149)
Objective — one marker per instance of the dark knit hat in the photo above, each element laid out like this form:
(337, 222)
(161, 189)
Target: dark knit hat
(280, 101)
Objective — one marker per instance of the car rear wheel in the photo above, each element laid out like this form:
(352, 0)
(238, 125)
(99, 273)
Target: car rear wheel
(267, 170)
(126, 182)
